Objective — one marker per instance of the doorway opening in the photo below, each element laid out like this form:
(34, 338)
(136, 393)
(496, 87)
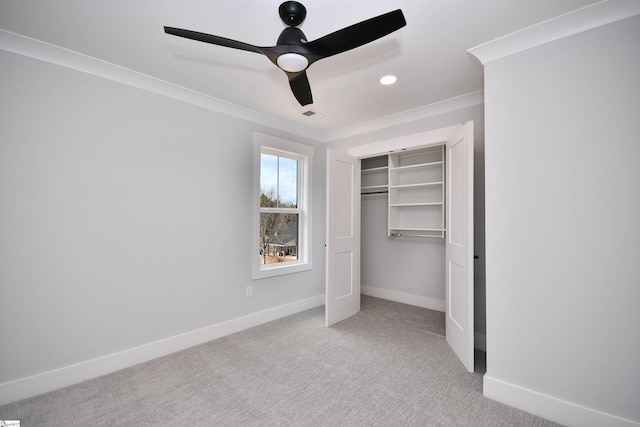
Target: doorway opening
(429, 196)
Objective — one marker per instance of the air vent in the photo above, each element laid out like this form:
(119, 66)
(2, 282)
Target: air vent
(313, 114)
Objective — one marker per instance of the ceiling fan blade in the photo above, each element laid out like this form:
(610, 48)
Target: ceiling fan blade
(357, 35)
(208, 38)
(300, 87)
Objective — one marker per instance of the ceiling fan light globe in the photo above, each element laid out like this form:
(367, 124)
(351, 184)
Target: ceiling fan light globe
(292, 62)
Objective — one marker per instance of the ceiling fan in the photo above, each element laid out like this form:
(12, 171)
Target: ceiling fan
(294, 54)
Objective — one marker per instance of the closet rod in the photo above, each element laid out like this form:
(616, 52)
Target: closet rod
(416, 235)
(374, 192)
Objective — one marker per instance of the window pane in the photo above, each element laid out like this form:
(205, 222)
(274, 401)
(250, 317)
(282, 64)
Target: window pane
(268, 180)
(288, 182)
(278, 238)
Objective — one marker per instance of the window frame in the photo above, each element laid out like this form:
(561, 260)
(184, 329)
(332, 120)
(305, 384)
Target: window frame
(304, 155)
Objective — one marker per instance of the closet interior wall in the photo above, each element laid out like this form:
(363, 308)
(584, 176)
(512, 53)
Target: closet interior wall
(402, 227)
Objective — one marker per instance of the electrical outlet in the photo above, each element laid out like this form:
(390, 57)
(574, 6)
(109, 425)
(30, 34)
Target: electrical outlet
(249, 291)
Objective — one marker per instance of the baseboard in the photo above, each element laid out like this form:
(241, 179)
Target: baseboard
(549, 407)
(52, 380)
(405, 298)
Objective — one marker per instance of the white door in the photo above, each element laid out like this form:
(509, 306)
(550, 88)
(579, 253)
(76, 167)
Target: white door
(343, 237)
(459, 245)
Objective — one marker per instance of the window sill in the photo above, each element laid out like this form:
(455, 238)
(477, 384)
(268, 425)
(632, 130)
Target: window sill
(280, 270)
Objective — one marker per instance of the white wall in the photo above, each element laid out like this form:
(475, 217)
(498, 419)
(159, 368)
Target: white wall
(563, 229)
(411, 270)
(125, 220)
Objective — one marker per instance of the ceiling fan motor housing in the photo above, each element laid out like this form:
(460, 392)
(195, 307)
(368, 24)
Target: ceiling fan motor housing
(292, 13)
(292, 35)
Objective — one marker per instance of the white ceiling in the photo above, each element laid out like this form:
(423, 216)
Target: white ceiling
(428, 55)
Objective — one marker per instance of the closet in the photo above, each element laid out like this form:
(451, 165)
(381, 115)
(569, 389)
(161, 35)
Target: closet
(410, 204)
(403, 226)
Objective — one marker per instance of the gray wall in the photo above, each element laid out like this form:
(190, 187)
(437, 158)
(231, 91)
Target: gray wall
(125, 219)
(562, 226)
(409, 265)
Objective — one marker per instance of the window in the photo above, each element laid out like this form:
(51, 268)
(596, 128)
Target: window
(282, 227)
(279, 211)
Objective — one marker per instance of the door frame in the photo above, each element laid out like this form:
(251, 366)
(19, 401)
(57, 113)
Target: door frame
(409, 142)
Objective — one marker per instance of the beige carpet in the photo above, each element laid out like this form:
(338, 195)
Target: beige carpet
(387, 366)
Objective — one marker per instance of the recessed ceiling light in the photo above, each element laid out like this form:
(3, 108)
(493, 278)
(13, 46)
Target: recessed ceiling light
(388, 80)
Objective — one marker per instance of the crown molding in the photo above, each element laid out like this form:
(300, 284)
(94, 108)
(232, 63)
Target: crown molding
(441, 107)
(583, 19)
(586, 18)
(37, 49)
(47, 52)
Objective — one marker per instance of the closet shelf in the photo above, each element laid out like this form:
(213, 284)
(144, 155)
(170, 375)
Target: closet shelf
(375, 187)
(416, 166)
(415, 204)
(374, 170)
(419, 185)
